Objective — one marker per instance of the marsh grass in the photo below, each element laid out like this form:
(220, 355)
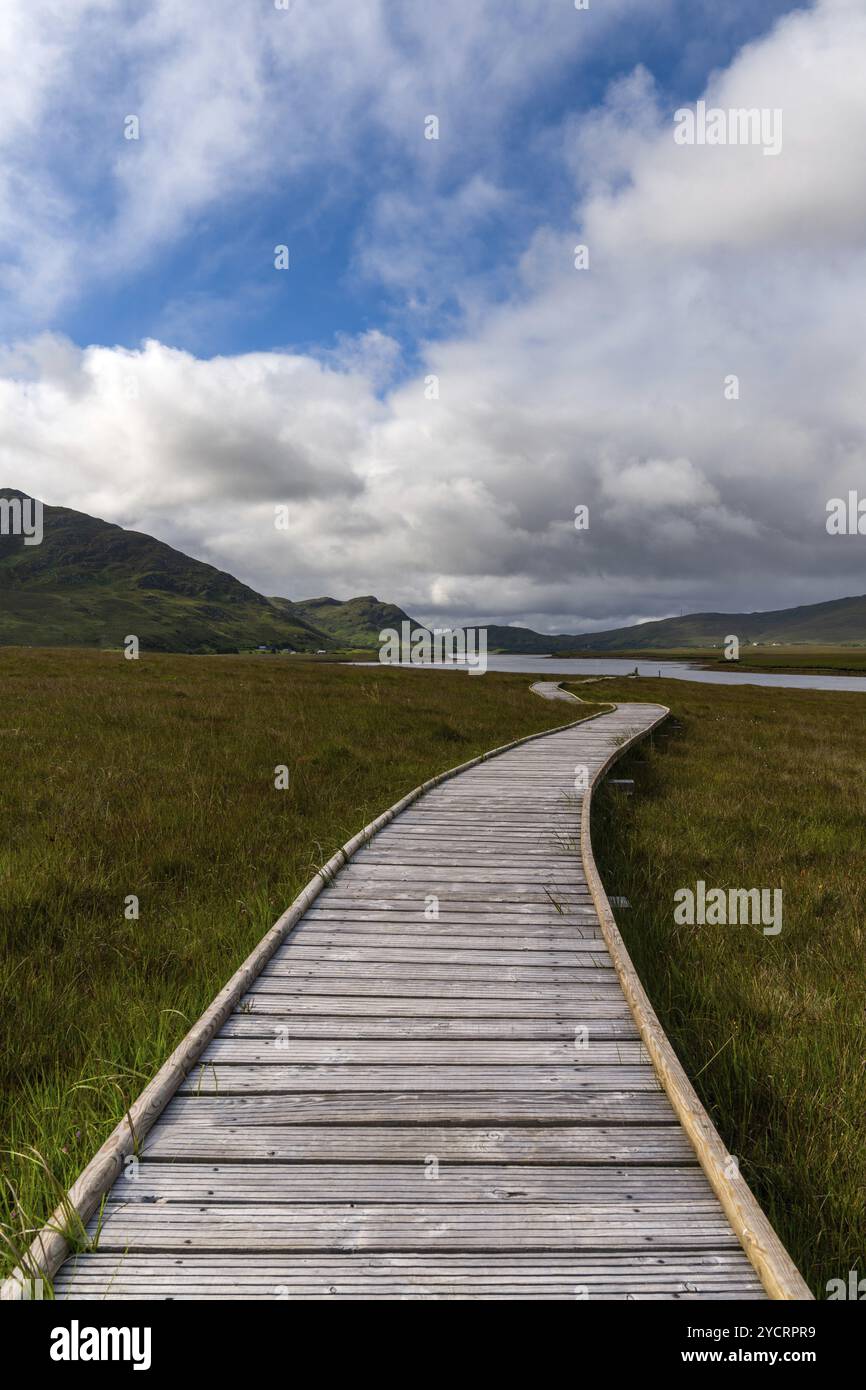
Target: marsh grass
(758, 788)
(805, 659)
(156, 778)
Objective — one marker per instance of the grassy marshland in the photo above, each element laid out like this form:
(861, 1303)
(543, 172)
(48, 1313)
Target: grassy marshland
(800, 660)
(790, 659)
(156, 778)
(758, 788)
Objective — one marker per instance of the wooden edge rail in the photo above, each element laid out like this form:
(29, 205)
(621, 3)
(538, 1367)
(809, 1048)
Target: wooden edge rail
(775, 1268)
(50, 1247)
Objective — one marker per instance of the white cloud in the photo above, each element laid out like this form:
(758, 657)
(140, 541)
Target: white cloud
(155, 432)
(656, 484)
(700, 197)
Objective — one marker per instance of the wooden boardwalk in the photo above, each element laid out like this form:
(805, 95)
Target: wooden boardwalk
(408, 1104)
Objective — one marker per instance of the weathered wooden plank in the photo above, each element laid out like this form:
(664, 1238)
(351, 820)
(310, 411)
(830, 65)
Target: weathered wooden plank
(571, 926)
(555, 842)
(426, 1178)
(475, 1052)
(596, 984)
(370, 892)
(422, 953)
(631, 1108)
(420, 971)
(456, 857)
(646, 1145)
(538, 910)
(558, 847)
(407, 1289)
(662, 1275)
(576, 1008)
(423, 973)
(552, 841)
(430, 937)
(488, 882)
(484, 867)
(695, 1225)
(529, 867)
(264, 1025)
(718, 1264)
(224, 1078)
(545, 908)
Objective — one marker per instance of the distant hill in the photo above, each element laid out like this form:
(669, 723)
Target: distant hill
(356, 622)
(90, 583)
(522, 641)
(840, 621)
(359, 621)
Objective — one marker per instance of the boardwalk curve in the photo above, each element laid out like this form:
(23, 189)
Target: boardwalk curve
(444, 1082)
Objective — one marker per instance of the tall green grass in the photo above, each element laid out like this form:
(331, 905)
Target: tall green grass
(155, 778)
(758, 788)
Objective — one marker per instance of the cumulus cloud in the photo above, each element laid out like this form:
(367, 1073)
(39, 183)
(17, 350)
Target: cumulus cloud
(156, 434)
(697, 197)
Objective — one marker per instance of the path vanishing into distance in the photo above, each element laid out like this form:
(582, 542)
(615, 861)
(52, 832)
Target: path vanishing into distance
(438, 1078)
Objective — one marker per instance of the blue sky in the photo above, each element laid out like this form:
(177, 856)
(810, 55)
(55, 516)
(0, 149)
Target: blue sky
(156, 369)
(211, 287)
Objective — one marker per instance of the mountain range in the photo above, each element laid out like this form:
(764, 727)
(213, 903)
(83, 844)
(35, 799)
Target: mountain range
(91, 583)
(839, 622)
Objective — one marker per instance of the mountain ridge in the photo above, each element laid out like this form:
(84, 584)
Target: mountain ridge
(91, 583)
(834, 621)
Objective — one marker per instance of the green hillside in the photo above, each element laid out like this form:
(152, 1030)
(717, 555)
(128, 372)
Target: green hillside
(522, 641)
(90, 583)
(840, 621)
(356, 622)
